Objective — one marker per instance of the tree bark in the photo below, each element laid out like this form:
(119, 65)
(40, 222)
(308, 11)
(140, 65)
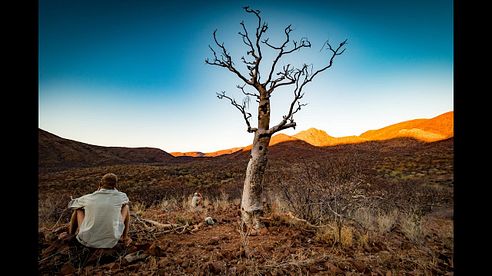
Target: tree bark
(251, 203)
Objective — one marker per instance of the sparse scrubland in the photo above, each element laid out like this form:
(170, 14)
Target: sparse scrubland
(376, 208)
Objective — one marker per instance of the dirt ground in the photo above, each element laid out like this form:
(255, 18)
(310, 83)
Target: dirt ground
(281, 248)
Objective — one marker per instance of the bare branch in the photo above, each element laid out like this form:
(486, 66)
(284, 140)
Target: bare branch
(260, 30)
(307, 75)
(333, 211)
(335, 53)
(247, 93)
(246, 39)
(248, 62)
(240, 107)
(282, 51)
(289, 75)
(304, 43)
(225, 60)
(248, 42)
(295, 105)
(279, 127)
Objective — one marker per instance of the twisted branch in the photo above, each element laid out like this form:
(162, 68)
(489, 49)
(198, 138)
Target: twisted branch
(307, 76)
(287, 76)
(241, 108)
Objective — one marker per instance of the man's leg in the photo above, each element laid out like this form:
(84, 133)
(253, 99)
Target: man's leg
(75, 221)
(125, 215)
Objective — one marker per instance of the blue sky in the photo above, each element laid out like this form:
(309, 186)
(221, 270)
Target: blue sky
(132, 73)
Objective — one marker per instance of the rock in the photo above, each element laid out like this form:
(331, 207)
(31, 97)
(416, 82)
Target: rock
(155, 250)
(214, 241)
(360, 266)
(332, 268)
(215, 267)
(263, 231)
(135, 256)
(209, 221)
(67, 269)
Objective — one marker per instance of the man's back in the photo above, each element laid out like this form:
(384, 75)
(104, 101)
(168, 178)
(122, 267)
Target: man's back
(102, 226)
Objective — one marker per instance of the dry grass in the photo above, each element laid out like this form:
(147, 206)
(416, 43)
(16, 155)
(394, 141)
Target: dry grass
(385, 222)
(138, 208)
(346, 237)
(411, 226)
(222, 203)
(186, 203)
(168, 205)
(206, 202)
(52, 210)
(290, 252)
(329, 234)
(363, 239)
(185, 218)
(278, 206)
(365, 217)
(46, 211)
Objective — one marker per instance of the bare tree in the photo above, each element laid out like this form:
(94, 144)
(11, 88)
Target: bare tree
(287, 76)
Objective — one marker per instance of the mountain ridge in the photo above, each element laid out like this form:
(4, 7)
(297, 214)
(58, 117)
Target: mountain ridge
(428, 130)
(55, 151)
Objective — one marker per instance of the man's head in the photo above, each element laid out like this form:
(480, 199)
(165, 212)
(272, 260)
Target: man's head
(109, 181)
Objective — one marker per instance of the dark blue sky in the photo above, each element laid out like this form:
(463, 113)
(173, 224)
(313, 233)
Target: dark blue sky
(132, 73)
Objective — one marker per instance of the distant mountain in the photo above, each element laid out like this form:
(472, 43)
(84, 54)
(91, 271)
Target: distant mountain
(320, 138)
(280, 138)
(55, 151)
(429, 130)
(207, 154)
(315, 137)
(189, 153)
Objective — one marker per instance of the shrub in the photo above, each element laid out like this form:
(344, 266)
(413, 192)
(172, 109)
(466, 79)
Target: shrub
(411, 226)
(385, 222)
(365, 217)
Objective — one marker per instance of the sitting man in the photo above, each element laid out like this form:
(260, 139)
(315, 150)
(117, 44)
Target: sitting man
(102, 218)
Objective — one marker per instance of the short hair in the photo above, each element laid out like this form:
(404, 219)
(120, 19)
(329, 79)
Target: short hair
(109, 180)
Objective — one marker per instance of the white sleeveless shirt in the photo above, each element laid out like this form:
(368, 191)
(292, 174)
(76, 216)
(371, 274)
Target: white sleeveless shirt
(103, 225)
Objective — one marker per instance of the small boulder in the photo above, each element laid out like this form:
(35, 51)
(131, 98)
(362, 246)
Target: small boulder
(209, 221)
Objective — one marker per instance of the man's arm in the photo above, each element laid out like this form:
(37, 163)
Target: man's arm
(77, 203)
(125, 214)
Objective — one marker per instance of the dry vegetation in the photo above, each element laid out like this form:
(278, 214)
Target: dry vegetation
(355, 209)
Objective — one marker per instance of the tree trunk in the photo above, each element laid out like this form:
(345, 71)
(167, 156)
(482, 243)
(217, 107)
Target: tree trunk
(251, 203)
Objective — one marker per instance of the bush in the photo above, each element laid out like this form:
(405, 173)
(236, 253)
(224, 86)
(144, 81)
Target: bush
(411, 226)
